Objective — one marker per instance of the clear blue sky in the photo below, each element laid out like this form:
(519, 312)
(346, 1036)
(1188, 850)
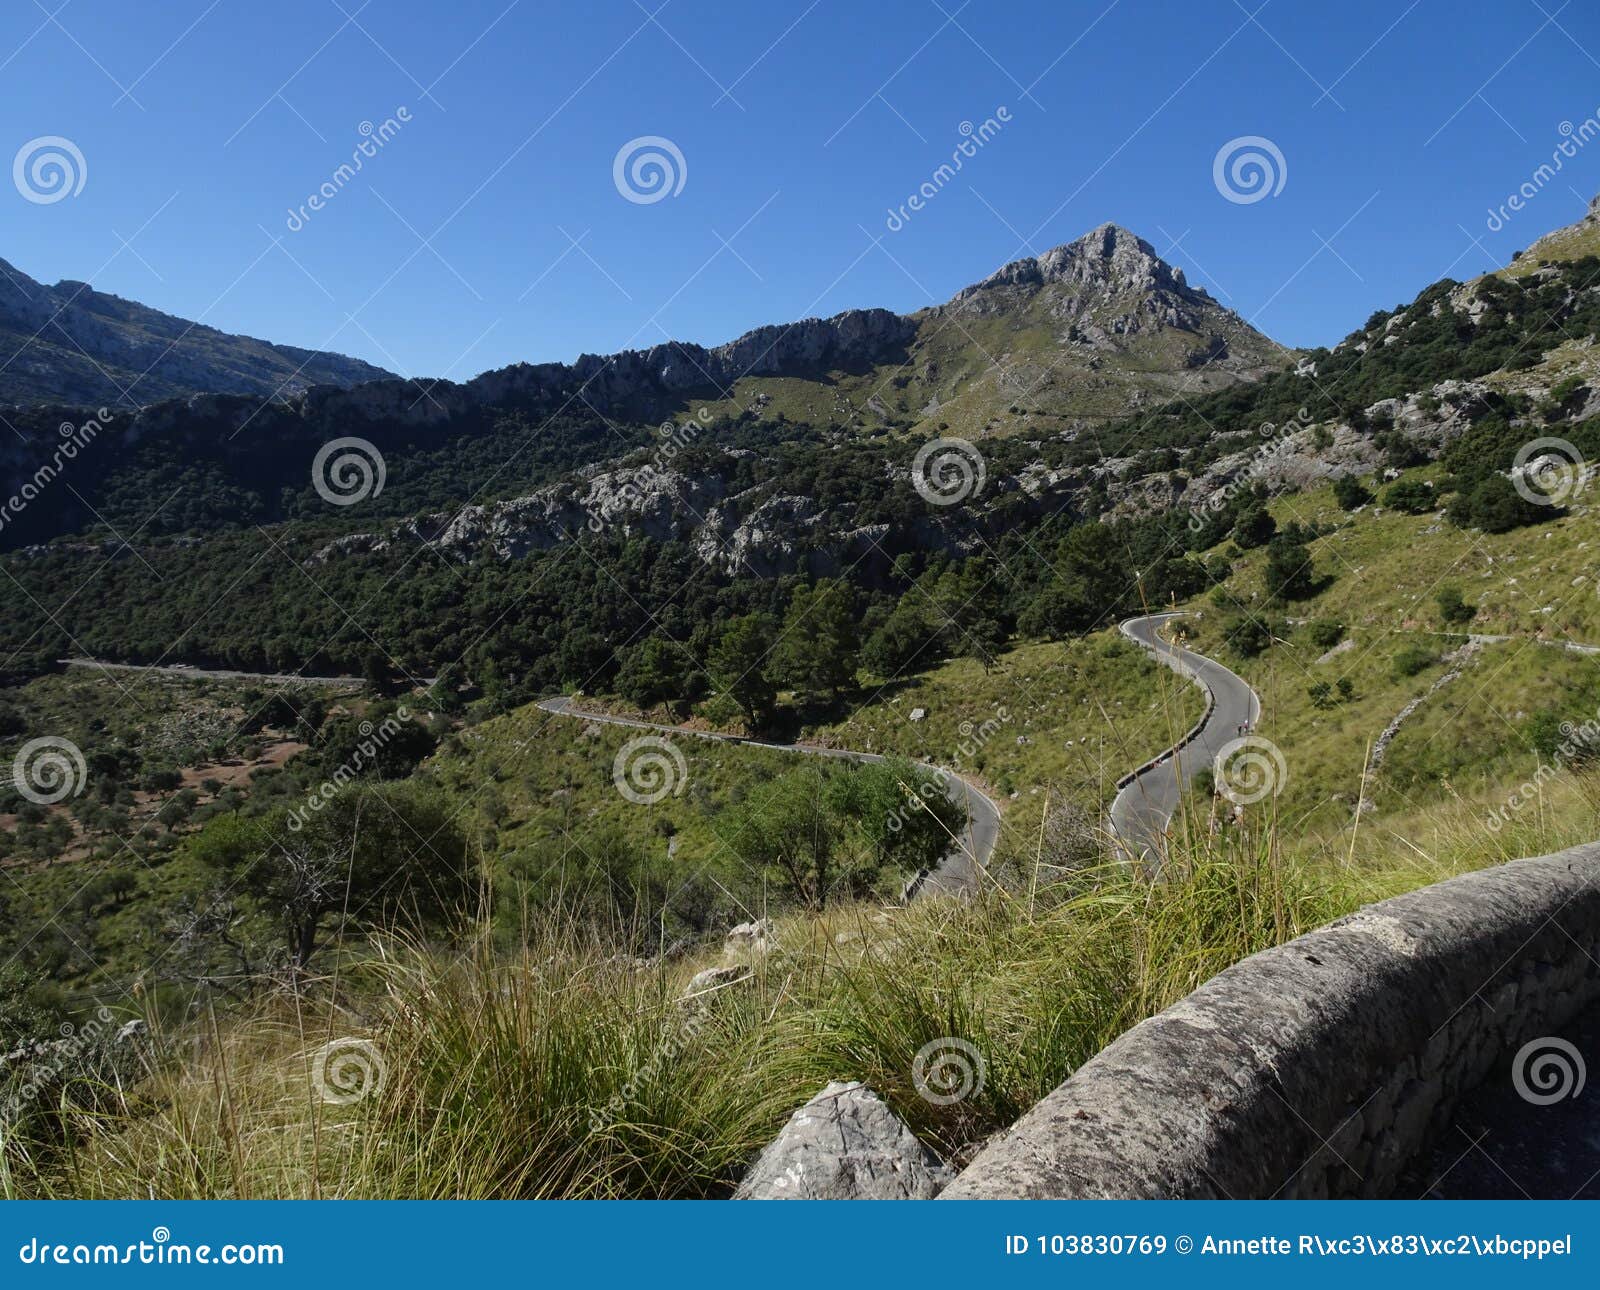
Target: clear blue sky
(202, 124)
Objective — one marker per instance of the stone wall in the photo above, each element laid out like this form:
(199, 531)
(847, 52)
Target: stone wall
(1320, 1068)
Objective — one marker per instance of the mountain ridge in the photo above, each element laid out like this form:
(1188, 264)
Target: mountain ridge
(73, 345)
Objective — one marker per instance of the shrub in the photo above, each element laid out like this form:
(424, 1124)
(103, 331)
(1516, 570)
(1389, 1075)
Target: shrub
(1246, 636)
(1412, 496)
(1453, 610)
(1413, 658)
(1494, 505)
(1289, 575)
(1325, 633)
(1254, 527)
(1350, 493)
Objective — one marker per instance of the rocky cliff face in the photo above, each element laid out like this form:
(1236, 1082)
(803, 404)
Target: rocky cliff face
(855, 341)
(1109, 260)
(74, 345)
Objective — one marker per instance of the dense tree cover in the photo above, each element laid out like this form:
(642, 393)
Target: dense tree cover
(213, 475)
(652, 619)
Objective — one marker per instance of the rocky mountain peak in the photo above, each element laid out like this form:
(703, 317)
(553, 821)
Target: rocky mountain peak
(1107, 259)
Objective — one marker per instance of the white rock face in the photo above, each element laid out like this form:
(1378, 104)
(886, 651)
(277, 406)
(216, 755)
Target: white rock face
(845, 1144)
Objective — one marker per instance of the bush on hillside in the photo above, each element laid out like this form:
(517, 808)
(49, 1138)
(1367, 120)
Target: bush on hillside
(1413, 496)
(1325, 633)
(1350, 493)
(1412, 658)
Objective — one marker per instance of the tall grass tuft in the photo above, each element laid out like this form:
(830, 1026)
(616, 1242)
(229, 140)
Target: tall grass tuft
(566, 1069)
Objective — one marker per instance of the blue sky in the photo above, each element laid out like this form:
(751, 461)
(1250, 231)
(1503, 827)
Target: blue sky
(489, 230)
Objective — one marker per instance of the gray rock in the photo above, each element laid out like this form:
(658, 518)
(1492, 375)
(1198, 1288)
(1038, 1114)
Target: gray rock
(845, 1144)
(748, 939)
(713, 978)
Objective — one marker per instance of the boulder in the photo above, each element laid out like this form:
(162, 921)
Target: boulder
(713, 978)
(748, 940)
(845, 1144)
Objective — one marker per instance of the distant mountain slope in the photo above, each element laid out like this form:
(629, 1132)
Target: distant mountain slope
(1055, 342)
(72, 344)
(1572, 242)
(1044, 347)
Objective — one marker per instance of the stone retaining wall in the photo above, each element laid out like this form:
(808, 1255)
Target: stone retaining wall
(1320, 1068)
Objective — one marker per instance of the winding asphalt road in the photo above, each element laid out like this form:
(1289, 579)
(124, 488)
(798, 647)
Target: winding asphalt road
(1148, 797)
(1139, 816)
(959, 872)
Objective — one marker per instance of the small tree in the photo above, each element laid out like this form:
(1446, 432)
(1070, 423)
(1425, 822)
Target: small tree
(1453, 610)
(818, 649)
(900, 816)
(1255, 527)
(786, 828)
(378, 855)
(739, 662)
(653, 672)
(1350, 493)
(1289, 575)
